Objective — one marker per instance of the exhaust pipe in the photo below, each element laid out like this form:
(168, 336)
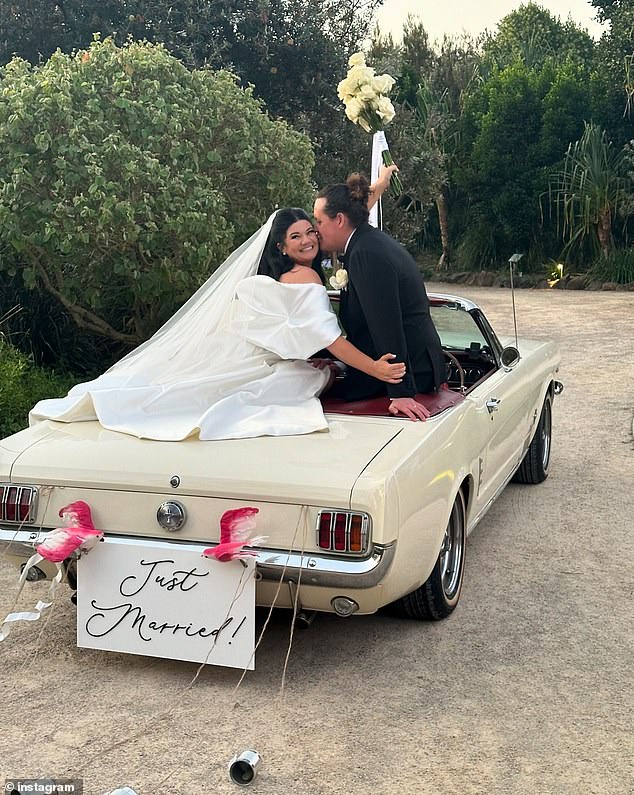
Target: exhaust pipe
(304, 619)
(243, 767)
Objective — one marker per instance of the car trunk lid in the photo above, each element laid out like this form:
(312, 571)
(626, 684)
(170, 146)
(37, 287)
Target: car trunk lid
(320, 468)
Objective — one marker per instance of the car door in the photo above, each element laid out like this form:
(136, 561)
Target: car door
(507, 403)
(502, 400)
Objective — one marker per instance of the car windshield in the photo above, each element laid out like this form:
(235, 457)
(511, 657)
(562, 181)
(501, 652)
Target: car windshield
(456, 327)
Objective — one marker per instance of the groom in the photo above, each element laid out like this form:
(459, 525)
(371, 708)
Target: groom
(385, 306)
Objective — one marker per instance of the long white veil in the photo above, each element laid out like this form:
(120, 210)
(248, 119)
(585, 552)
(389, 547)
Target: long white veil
(231, 363)
(180, 345)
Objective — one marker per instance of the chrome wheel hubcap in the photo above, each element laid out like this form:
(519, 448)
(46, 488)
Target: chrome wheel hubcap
(546, 434)
(451, 553)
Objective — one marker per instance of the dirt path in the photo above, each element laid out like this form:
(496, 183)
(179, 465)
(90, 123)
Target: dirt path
(527, 688)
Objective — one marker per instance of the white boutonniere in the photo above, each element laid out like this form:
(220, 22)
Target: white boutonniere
(340, 280)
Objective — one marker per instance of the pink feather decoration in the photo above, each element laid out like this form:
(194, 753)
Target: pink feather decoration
(235, 526)
(80, 532)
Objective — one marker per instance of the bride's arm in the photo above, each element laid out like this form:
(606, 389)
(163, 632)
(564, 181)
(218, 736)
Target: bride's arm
(378, 188)
(381, 368)
(345, 351)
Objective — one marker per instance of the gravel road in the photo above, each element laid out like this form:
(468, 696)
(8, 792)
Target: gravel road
(527, 688)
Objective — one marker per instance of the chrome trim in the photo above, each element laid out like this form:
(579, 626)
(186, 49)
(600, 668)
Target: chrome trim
(326, 571)
(32, 503)
(365, 531)
(14, 541)
(317, 570)
(463, 303)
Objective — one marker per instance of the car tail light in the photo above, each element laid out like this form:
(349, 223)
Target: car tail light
(343, 531)
(17, 503)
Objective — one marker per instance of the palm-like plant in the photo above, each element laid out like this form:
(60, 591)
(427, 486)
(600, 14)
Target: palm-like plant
(588, 190)
(439, 133)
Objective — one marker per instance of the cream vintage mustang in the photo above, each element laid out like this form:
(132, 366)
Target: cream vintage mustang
(373, 512)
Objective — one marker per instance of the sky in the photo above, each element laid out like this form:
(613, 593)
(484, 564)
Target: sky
(474, 16)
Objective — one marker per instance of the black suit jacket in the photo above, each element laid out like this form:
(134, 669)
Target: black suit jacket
(385, 309)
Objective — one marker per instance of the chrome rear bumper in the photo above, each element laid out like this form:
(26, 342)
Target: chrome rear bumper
(272, 564)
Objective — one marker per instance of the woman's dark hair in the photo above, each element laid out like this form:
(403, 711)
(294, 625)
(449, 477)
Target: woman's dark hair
(273, 263)
(350, 198)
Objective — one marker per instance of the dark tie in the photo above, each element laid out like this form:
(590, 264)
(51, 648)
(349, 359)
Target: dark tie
(343, 259)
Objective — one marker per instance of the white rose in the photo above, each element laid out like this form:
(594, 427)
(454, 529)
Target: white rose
(339, 280)
(385, 110)
(354, 109)
(364, 124)
(359, 75)
(367, 93)
(346, 88)
(356, 59)
(382, 84)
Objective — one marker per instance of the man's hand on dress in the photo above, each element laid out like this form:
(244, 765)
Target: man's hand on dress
(410, 407)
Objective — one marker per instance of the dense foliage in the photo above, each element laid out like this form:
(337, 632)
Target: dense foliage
(290, 51)
(21, 385)
(127, 178)
(502, 114)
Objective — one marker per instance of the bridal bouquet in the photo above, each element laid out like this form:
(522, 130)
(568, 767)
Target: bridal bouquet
(365, 95)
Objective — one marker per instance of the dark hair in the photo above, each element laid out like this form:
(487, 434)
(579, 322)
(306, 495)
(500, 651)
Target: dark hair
(350, 198)
(273, 263)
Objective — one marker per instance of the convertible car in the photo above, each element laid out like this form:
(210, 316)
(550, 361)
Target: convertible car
(373, 512)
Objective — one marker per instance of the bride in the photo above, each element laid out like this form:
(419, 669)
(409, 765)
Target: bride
(231, 363)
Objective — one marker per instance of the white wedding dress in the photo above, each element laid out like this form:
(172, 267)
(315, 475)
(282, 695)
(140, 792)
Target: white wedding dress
(238, 374)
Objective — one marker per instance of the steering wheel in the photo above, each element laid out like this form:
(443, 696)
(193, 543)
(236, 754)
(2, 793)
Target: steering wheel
(458, 367)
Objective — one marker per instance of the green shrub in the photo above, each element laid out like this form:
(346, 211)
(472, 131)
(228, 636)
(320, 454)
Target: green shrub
(126, 179)
(617, 267)
(39, 326)
(22, 384)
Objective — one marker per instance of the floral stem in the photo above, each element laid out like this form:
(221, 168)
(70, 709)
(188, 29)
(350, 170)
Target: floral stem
(396, 186)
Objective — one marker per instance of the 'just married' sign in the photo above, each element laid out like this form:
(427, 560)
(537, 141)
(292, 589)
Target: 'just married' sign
(166, 602)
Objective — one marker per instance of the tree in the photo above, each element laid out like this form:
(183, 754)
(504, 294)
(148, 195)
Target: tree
(612, 78)
(589, 189)
(529, 99)
(421, 161)
(532, 35)
(439, 106)
(439, 130)
(514, 130)
(126, 178)
(422, 171)
(292, 52)
(417, 60)
(34, 29)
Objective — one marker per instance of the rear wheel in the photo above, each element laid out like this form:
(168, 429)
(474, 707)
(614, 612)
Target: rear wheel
(439, 595)
(534, 466)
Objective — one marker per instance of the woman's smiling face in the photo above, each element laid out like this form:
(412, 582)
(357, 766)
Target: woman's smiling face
(300, 243)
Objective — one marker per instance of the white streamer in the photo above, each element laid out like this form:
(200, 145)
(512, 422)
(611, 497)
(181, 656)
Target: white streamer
(30, 615)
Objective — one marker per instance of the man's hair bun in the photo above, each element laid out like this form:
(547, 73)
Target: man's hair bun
(358, 188)
(349, 198)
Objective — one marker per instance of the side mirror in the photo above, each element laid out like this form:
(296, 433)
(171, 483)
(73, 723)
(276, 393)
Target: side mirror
(510, 357)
